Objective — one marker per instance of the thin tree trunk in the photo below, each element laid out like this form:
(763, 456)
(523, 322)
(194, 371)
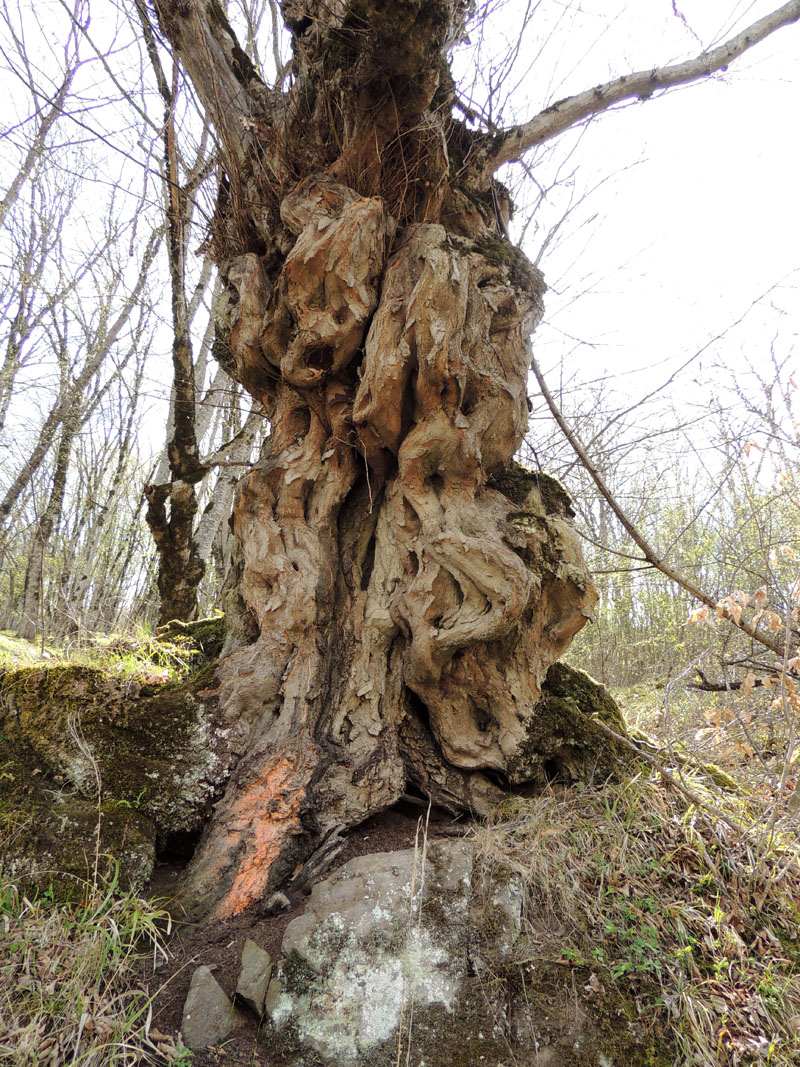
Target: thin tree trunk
(46, 527)
(84, 569)
(172, 506)
(70, 397)
(18, 330)
(49, 117)
(218, 509)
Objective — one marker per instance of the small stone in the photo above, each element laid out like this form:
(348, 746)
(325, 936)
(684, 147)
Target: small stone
(254, 978)
(277, 902)
(207, 1013)
(276, 1004)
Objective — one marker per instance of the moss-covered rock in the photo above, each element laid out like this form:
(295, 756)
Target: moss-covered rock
(565, 742)
(53, 839)
(72, 733)
(152, 747)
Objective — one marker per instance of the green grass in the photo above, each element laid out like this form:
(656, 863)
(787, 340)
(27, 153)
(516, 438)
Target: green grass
(70, 980)
(71, 989)
(138, 656)
(634, 890)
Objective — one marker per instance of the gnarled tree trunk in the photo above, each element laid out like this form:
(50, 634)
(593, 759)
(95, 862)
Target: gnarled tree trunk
(401, 597)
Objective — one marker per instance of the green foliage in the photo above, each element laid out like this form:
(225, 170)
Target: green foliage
(136, 656)
(15, 650)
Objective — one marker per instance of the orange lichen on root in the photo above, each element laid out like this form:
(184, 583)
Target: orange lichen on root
(259, 822)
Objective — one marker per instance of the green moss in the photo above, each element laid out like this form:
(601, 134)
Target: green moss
(559, 1009)
(68, 728)
(556, 499)
(53, 840)
(564, 683)
(297, 975)
(563, 740)
(205, 636)
(531, 491)
(494, 249)
(151, 746)
(464, 1037)
(549, 1010)
(522, 274)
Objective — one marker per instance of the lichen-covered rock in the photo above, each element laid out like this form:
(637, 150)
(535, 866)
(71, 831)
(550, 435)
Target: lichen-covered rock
(417, 957)
(382, 957)
(152, 749)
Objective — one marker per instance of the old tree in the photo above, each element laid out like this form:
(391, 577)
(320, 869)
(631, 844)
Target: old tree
(401, 591)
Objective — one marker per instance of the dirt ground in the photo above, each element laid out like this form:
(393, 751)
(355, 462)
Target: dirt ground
(219, 945)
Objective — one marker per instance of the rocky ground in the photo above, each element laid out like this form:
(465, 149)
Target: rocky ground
(652, 914)
(220, 945)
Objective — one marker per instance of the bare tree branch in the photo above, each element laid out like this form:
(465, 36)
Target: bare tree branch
(569, 112)
(54, 104)
(70, 396)
(225, 79)
(649, 553)
(706, 686)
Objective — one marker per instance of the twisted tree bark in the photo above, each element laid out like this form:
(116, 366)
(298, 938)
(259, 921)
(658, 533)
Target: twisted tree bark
(401, 592)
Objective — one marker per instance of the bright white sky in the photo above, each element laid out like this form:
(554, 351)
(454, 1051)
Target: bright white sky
(697, 215)
(703, 215)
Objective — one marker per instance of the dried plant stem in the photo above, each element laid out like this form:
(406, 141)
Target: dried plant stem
(703, 805)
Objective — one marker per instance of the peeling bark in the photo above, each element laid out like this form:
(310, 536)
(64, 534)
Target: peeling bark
(404, 603)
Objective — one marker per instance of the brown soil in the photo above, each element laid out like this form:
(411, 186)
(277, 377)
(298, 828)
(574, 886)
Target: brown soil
(219, 945)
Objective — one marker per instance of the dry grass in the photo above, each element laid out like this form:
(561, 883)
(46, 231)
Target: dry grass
(71, 988)
(70, 980)
(748, 734)
(696, 924)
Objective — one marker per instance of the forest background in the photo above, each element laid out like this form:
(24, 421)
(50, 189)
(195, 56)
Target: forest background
(669, 339)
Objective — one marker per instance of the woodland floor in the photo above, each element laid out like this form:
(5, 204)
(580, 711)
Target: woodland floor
(219, 945)
(710, 725)
(667, 886)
